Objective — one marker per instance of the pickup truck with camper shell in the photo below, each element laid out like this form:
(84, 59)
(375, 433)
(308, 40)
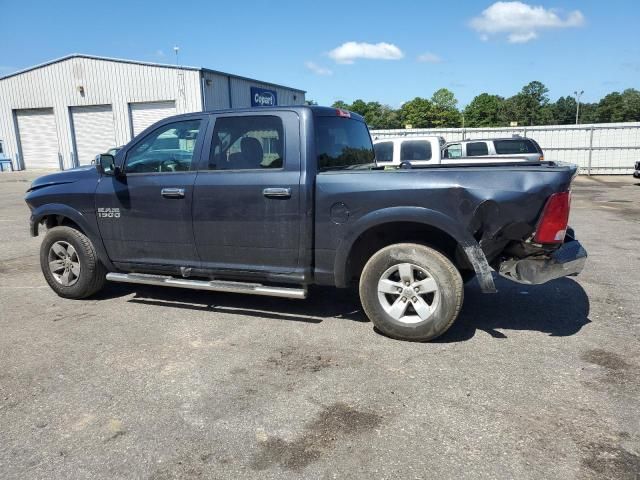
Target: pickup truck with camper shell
(269, 201)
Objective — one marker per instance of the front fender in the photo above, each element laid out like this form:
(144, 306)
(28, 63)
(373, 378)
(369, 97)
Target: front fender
(414, 214)
(87, 224)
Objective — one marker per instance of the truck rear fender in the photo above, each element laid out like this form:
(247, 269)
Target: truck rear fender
(382, 227)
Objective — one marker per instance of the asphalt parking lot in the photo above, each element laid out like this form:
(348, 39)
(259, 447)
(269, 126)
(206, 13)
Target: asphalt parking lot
(143, 382)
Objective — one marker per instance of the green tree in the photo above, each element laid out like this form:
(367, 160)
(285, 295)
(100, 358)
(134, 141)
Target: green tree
(444, 111)
(377, 115)
(381, 116)
(310, 102)
(526, 106)
(511, 111)
(417, 113)
(631, 105)
(389, 118)
(564, 110)
(588, 112)
(485, 110)
(359, 106)
(619, 107)
(341, 104)
(610, 108)
(444, 98)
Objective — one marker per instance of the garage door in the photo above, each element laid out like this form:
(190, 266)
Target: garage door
(146, 114)
(93, 131)
(38, 138)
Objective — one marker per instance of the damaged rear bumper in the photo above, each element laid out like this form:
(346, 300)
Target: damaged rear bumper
(568, 260)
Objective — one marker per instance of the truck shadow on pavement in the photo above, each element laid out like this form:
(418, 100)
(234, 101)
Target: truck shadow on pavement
(322, 303)
(559, 308)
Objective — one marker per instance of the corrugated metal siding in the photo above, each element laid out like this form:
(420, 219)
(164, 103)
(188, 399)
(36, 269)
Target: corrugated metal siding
(601, 148)
(241, 93)
(216, 91)
(104, 82)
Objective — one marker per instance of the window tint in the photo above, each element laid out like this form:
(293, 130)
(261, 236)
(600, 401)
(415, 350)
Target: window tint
(247, 143)
(166, 149)
(514, 147)
(384, 152)
(453, 151)
(412, 150)
(342, 143)
(475, 149)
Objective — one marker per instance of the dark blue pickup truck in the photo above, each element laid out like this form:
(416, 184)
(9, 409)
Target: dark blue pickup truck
(269, 201)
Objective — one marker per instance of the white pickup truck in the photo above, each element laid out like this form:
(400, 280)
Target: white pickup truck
(433, 150)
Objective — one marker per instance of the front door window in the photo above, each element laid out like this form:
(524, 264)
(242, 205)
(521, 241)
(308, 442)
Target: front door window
(168, 148)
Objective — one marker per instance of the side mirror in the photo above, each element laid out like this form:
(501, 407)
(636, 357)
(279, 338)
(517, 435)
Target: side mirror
(106, 164)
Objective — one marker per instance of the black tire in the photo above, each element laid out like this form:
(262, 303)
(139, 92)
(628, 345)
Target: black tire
(450, 291)
(92, 273)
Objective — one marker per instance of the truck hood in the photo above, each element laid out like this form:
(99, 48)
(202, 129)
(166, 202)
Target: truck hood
(68, 176)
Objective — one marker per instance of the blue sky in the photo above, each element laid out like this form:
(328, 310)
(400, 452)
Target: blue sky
(394, 51)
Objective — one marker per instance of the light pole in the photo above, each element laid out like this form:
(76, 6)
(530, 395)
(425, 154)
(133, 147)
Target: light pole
(176, 49)
(578, 95)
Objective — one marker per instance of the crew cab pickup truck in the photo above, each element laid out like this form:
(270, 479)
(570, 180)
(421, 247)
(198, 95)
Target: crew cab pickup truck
(432, 150)
(272, 200)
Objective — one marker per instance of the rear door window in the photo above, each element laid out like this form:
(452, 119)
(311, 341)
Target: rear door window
(384, 152)
(476, 149)
(415, 150)
(514, 147)
(247, 143)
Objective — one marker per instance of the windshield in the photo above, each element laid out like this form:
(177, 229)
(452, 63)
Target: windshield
(342, 143)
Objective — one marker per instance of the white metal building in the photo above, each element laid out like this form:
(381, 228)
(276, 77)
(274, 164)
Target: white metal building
(62, 113)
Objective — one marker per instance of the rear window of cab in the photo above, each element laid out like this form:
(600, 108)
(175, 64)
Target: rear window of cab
(342, 143)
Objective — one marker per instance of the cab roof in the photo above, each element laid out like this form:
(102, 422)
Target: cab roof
(316, 110)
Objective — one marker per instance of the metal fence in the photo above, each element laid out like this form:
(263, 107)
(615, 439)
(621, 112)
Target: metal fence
(599, 149)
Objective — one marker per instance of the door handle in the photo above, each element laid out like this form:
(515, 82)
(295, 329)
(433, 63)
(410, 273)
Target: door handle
(172, 192)
(277, 192)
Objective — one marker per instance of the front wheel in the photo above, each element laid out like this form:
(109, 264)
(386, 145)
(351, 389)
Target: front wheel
(70, 264)
(411, 292)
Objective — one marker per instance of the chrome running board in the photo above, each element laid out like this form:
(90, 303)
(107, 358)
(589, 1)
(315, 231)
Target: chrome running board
(212, 285)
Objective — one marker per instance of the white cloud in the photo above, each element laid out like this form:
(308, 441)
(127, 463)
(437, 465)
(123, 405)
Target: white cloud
(350, 51)
(521, 37)
(160, 53)
(521, 22)
(317, 69)
(429, 57)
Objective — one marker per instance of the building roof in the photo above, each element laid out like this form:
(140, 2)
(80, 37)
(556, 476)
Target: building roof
(150, 64)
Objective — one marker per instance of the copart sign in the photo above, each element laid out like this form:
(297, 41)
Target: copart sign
(261, 97)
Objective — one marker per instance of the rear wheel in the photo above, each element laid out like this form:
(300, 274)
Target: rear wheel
(70, 264)
(411, 292)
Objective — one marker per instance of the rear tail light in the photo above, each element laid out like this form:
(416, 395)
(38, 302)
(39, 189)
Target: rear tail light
(343, 113)
(553, 222)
